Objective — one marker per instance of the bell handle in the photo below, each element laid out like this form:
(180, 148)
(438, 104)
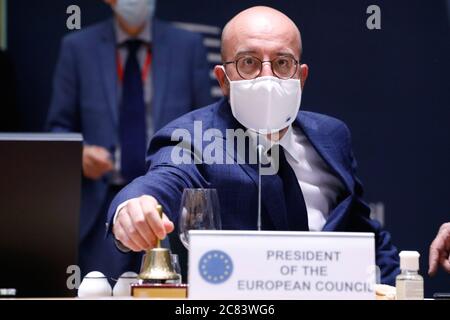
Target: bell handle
(160, 211)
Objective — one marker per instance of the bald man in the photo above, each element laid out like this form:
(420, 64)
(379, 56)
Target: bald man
(308, 181)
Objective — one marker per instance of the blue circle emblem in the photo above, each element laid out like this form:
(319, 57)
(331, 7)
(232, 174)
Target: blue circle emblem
(215, 266)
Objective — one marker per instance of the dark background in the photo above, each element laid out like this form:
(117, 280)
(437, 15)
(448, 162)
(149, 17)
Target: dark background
(391, 86)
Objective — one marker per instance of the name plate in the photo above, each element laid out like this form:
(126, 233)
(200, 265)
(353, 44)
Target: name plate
(281, 265)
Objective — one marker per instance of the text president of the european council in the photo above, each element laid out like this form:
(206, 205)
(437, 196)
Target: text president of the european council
(315, 187)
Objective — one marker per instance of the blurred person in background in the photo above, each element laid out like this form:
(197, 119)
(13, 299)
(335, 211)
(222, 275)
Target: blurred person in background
(117, 82)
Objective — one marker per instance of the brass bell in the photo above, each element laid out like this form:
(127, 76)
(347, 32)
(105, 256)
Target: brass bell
(157, 265)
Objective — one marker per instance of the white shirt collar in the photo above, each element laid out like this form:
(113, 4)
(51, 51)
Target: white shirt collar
(145, 35)
(287, 142)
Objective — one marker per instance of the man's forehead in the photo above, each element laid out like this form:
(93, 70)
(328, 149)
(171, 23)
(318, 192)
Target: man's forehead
(263, 50)
(272, 46)
(264, 29)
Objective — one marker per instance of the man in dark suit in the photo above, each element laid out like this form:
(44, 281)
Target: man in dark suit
(117, 82)
(313, 186)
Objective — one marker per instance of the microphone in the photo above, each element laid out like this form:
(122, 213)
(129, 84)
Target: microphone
(260, 149)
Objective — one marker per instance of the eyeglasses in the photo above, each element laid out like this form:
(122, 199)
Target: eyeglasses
(249, 67)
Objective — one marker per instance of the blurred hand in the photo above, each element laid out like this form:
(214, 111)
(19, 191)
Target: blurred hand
(440, 250)
(96, 161)
(138, 224)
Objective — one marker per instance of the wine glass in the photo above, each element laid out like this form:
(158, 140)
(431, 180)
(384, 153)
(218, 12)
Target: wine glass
(176, 268)
(199, 210)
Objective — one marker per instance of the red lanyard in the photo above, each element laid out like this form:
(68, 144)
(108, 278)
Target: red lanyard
(145, 69)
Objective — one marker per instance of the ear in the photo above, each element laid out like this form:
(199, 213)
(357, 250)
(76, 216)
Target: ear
(304, 71)
(224, 84)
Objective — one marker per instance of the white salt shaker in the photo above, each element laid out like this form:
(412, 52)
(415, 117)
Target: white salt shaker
(94, 285)
(123, 285)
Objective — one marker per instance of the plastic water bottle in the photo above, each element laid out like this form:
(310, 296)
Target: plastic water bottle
(409, 282)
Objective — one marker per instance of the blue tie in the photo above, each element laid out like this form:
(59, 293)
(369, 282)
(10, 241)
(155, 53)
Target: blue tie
(132, 131)
(295, 203)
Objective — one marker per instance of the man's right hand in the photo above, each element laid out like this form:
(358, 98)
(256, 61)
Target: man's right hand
(138, 224)
(96, 161)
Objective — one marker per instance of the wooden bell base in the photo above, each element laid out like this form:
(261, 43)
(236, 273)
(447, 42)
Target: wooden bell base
(159, 291)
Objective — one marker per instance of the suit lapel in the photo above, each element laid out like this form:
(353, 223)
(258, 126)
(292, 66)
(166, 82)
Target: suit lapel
(272, 197)
(107, 58)
(337, 220)
(160, 68)
(327, 148)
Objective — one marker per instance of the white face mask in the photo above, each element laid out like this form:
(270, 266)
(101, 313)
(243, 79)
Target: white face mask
(135, 12)
(265, 104)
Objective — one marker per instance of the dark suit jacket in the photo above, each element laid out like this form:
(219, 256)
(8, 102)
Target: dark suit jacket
(85, 96)
(237, 183)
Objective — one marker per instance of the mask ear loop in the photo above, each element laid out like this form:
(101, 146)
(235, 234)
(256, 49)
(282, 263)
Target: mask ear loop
(226, 75)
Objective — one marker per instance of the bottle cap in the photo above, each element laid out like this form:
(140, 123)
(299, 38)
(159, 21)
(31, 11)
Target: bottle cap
(409, 260)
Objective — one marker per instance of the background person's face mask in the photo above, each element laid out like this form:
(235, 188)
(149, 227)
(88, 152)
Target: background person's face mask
(265, 104)
(135, 12)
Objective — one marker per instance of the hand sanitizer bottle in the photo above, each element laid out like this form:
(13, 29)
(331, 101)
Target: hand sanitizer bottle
(409, 282)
